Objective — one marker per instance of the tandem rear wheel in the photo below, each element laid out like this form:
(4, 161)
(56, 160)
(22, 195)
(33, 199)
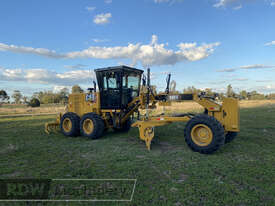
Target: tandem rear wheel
(69, 124)
(92, 126)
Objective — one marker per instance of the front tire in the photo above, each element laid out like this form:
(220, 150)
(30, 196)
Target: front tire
(204, 134)
(69, 124)
(92, 126)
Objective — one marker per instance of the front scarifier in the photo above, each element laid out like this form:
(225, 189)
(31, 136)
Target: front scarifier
(120, 96)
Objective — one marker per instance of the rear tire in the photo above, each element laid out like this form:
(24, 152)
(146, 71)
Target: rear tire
(230, 136)
(92, 126)
(69, 124)
(204, 134)
(125, 127)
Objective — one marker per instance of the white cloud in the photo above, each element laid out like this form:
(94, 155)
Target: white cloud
(30, 50)
(44, 76)
(100, 40)
(270, 88)
(12, 73)
(76, 66)
(257, 66)
(102, 18)
(90, 8)
(58, 88)
(195, 53)
(168, 1)
(108, 1)
(240, 79)
(270, 43)
(235, 4)
(238, 7)
(227, 70)
(224, 3)
(252, 66)
(187, 45)
(264, 80)
(218, 82)
(146, 54)
(161, 1)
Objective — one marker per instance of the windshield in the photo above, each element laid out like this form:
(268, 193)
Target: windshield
(110, 81)
(132, 81)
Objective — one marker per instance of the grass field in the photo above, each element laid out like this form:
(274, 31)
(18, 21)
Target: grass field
(24, 109)
(240, 173)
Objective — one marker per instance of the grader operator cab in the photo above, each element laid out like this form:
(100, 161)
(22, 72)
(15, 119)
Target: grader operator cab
(122, 94)
(118, 86)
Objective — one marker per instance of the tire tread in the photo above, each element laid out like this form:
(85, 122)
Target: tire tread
(98, 125)
(215, 126)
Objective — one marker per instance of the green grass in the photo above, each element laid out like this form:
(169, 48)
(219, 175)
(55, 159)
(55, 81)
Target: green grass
(240, 173)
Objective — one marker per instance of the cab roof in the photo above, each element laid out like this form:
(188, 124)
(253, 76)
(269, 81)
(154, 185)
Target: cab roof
(116, 68)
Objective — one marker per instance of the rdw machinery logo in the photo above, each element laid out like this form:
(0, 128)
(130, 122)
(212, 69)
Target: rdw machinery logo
(24, 189)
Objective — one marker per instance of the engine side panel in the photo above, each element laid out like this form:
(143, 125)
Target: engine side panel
(82, 103)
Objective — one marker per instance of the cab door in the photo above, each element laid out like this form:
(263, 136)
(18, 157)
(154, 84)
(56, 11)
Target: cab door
(111, 92)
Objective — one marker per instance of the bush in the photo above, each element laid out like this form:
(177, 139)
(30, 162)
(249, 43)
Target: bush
(34, 103)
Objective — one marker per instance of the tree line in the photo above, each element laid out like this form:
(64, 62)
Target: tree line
(44, 97)
(61, 97)
(242, 95)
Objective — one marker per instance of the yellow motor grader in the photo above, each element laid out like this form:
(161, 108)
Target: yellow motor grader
(123, 93)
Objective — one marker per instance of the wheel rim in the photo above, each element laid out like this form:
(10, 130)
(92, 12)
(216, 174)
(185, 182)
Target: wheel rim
(202, 135)
(88, 126)
(67, 125)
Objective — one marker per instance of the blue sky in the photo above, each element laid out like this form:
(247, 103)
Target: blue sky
(205, 43)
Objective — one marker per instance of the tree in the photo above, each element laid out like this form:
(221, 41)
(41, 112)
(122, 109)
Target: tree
(64, 92)
(63, 95)
(3, 96)
(38, 95)
(25, 99)
(49, 98)
(229, 92)
(191, 90)
(17, 96)
(271, 96)
(173, 85)
(243, 94)
(34, 102)
(76, 89)
(221, 95)
(209, 92)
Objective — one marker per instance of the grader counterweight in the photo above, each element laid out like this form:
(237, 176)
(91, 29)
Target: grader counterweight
(122, 94)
